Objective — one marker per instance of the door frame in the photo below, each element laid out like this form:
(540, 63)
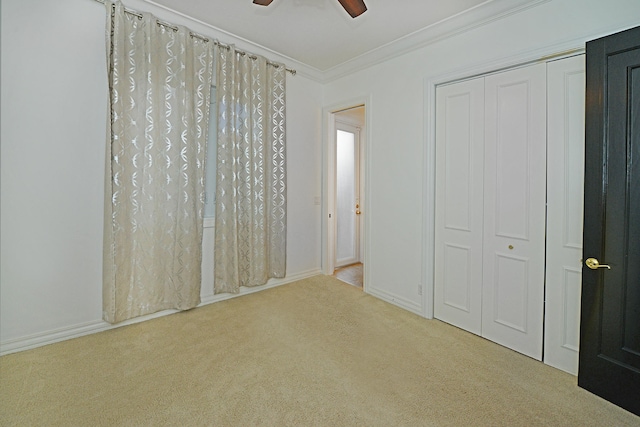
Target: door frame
(328, 231)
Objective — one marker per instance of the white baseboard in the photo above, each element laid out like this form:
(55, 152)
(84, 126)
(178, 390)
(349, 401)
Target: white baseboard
(272, 283)
(78, 330)
(396, 300)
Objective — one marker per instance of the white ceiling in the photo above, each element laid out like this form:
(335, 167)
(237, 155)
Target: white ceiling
(321, 35)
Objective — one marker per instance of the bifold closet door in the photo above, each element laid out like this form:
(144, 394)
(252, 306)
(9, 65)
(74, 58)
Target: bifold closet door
(459, 204)
(515, 209)
(565, 199)
(490, 207)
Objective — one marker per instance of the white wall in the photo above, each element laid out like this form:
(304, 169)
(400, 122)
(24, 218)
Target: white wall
(53, 133)
(400, 139)
(53, 106)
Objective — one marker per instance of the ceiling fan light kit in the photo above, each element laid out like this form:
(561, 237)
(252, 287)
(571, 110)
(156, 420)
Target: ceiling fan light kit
(353, 7)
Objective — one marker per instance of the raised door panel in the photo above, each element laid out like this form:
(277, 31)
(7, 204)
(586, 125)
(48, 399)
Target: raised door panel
(565, 183)
(459, 219)
(610, 304)
(514, 209)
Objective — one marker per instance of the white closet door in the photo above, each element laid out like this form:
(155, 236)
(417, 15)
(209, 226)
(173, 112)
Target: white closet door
(459, 218)
(565, 175)
(514, 209)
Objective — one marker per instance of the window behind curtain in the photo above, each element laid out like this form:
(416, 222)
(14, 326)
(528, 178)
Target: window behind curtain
(212, 142)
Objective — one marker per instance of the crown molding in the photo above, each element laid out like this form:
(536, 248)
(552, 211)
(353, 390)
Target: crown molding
(229, 38)
(478, 16)
(483, 14)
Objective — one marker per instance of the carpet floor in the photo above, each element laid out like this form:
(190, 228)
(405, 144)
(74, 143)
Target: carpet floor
(317, 352)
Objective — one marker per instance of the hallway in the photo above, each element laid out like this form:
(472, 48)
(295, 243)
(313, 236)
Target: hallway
(351, 274)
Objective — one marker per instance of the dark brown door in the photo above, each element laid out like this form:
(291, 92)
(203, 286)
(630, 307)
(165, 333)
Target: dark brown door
(610, 318)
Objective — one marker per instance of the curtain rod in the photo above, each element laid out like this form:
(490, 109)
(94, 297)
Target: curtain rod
(241, 52)
(205, 39)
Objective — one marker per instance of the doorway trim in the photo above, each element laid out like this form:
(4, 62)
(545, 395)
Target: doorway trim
(329, 182)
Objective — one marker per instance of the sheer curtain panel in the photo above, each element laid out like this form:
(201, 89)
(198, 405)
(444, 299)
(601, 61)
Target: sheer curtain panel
(159, 83)
(251, 221)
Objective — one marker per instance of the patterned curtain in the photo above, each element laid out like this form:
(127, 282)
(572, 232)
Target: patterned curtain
(251, 222)
(159, 81)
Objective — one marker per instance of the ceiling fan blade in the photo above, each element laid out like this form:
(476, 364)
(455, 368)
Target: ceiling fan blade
(353, 7)
(262, 2)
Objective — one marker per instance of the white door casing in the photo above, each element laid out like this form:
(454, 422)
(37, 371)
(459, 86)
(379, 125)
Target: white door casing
(565, 184)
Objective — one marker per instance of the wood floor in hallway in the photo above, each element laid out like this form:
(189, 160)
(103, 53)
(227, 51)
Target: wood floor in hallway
(351, 274)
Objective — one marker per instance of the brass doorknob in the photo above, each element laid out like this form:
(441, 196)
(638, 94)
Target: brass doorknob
(358, 212)
(594, 264)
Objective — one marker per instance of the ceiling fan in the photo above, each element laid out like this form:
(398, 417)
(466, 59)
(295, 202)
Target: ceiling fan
(353, 7)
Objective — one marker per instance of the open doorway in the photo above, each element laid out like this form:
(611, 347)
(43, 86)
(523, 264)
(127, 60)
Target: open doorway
(346, 166)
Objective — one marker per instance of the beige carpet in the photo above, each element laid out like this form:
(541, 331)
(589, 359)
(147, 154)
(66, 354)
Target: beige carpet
(315, 352)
